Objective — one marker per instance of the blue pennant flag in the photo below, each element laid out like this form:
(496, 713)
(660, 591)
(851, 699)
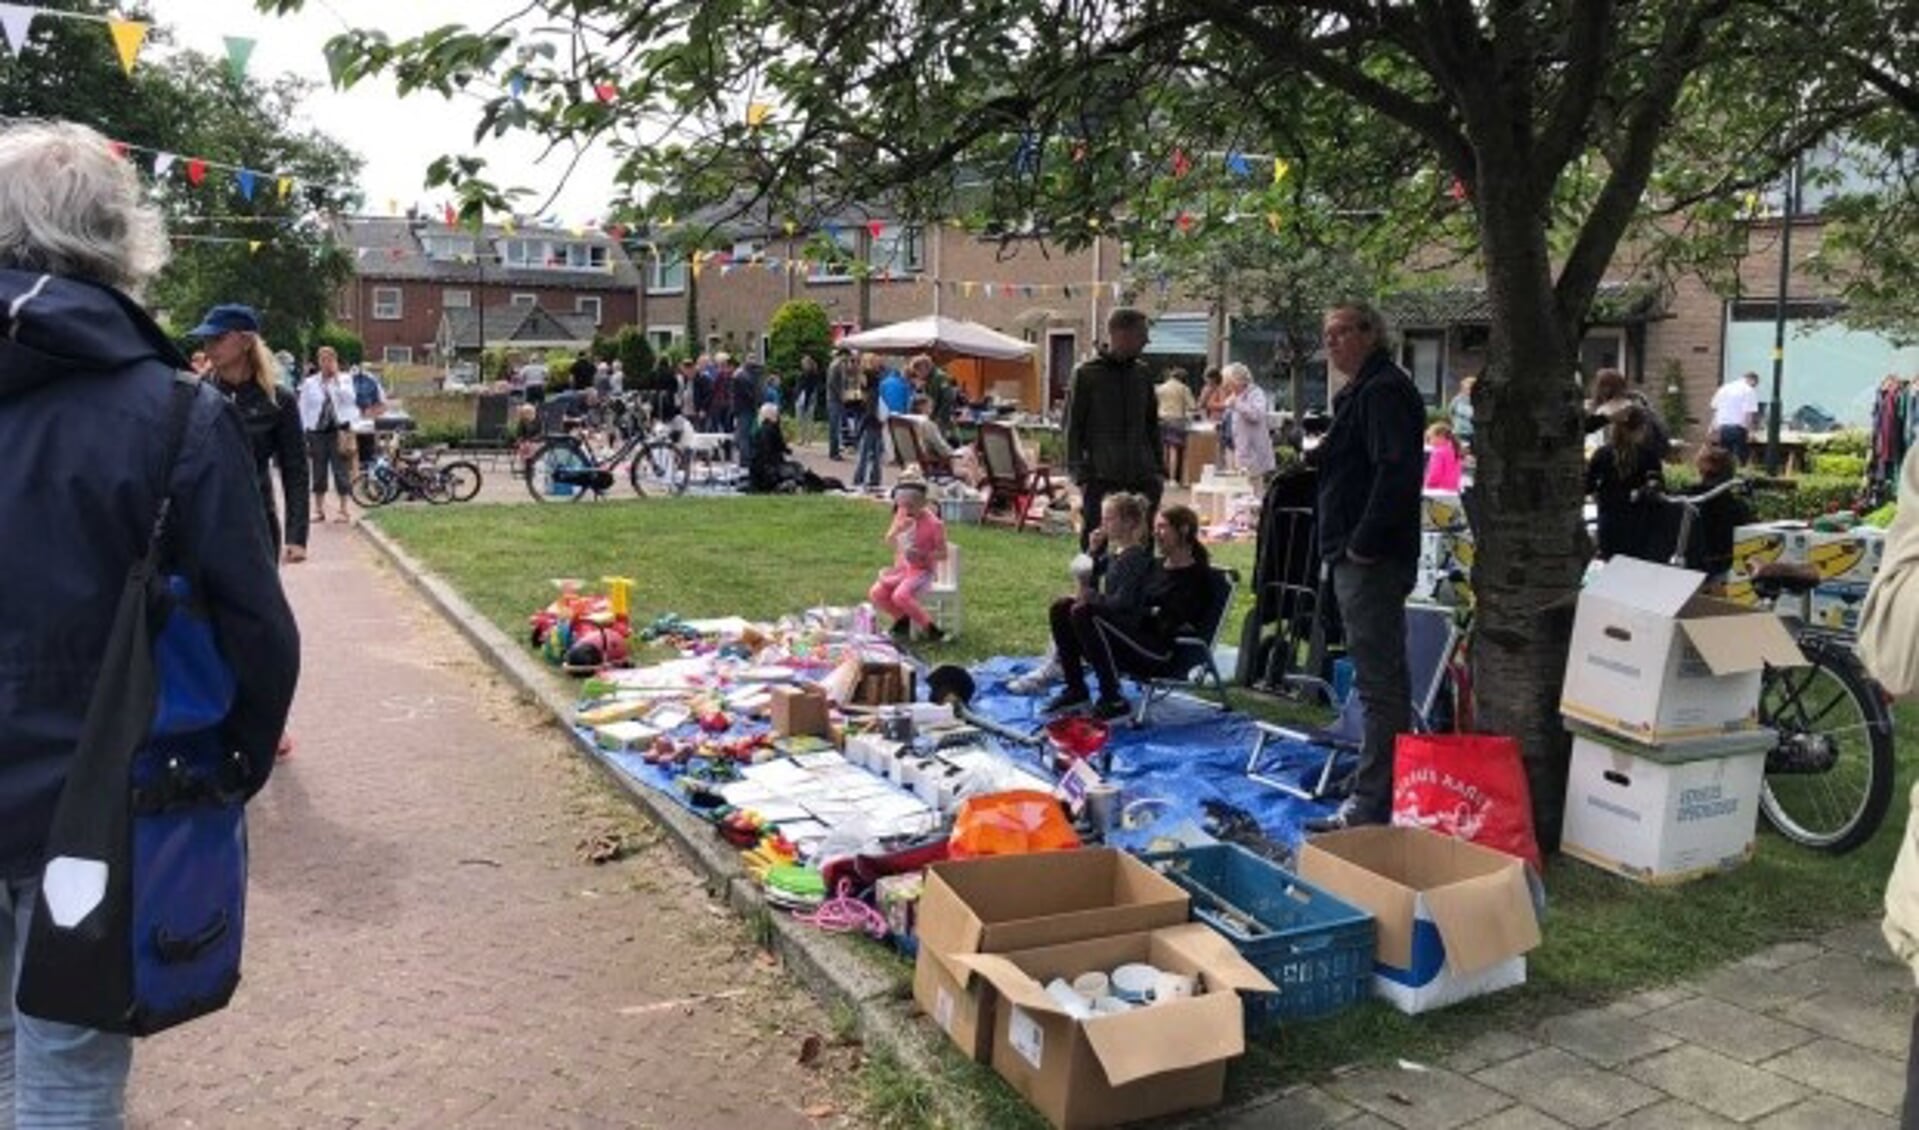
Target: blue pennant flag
(245, 177)
(1236, 164)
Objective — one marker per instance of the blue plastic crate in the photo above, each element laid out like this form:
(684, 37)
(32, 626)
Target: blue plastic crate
(1317, 948)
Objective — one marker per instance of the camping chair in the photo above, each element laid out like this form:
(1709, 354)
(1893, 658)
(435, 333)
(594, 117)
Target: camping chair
(906, 444)
(1010, 482)
(1192, 661)
(1431, 636)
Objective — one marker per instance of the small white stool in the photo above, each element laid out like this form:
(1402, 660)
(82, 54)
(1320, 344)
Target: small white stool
(1213, 498)
(942, 597)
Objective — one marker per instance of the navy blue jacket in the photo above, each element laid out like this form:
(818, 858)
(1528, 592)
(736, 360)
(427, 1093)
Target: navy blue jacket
(85, 382)
(1372, 465)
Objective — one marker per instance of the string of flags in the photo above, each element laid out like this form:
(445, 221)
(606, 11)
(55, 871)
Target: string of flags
(129, 36)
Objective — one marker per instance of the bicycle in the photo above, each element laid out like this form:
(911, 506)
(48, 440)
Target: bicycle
(1829, 780)
(397, 474)
(564, 468)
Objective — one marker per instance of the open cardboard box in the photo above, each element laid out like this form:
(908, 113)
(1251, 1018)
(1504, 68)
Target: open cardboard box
(800, 710)
(1141, 1064)
(1653, 661)
(1455, 920)
(1022, 902)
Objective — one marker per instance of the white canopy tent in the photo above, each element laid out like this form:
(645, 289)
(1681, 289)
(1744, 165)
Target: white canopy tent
(983, 360)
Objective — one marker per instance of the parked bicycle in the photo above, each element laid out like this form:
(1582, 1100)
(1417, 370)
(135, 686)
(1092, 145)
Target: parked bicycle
(1830, 779)
(565, 468)
(397, 474)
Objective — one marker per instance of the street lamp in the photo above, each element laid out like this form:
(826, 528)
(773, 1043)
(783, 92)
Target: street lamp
(1789, 208)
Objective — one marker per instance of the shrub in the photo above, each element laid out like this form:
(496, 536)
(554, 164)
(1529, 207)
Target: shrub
(344, 341)
(1838, 464)
(798, 329)
(1812, 496)
(607, 349)
(635, 354)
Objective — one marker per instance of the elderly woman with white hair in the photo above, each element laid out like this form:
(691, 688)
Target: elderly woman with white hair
(91, 390)
(1246, 405)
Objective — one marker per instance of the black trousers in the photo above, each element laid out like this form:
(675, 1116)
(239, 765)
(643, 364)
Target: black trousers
(1093, 495)
(1084, 635)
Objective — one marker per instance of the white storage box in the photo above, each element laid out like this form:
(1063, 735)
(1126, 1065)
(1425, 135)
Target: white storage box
(1653, 818)
(1654, 662)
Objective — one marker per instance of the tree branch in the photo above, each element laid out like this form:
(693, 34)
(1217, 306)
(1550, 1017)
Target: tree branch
(1565, 131)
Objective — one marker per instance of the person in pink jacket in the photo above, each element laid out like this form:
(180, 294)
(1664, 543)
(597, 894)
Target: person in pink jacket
(919, 545)
(1442, 458)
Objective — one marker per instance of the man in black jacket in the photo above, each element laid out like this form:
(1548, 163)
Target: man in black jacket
(1112, 424)
(1371, 465)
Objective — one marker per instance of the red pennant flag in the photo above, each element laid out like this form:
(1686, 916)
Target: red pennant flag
(196, 170)
(874, 228)
(119, 149)
(1458, 190)
(1181, 164)
(452, 218)
(1185, 221)
(606, 91)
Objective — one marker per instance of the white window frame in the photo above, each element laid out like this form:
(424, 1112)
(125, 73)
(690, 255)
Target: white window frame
(584, 257)
(662, 271)
(822, 271)
(663, 337)
(884, 251)
(745, 250)
(396, 355)
(388, 309)
(524, 300)
(446, 248)
(456, 299)
(599, 306)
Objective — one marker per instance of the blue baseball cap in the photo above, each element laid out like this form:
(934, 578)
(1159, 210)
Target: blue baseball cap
(227, 319)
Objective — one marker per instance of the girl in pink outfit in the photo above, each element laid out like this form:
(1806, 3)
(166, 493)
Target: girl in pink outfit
(919, 545)
(1442, 458)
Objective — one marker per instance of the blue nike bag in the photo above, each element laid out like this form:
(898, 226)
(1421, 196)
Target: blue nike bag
(143, 900)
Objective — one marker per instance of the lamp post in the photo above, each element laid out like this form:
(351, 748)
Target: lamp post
(1790, 206)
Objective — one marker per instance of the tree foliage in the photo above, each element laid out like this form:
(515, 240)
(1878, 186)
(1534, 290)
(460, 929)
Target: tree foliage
(635, 354)
(346, 344)
(798, 329)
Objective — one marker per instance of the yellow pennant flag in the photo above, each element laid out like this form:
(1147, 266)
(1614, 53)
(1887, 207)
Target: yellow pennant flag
(1280, 169)
(1272, 221)
(966, 288)
(253, 245)
(756, 113)
(791, 227)
(128, 36)
(508, 226)
(286, 186)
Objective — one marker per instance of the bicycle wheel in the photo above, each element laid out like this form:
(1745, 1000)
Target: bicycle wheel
(659, 468)
(553, 456)
(1829, 780)
(462, 479)
(370, 491)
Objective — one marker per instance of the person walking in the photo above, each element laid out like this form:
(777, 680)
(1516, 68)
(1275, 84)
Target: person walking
(246, 372)
(1370, 466)
(369, 400)
(840, 380)
(1112, 424)
(866, 465)
(88, 386)
(1735, 414)
(1246, 406)
(1177, 407)
(327, 413)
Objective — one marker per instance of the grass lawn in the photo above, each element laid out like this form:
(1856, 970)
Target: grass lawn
(760, 558)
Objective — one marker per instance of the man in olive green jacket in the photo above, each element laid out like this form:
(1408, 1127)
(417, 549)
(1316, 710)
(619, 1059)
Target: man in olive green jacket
(1112, 423)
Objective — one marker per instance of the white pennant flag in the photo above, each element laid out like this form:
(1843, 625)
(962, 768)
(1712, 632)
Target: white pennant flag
(16, 21)
(162, 165)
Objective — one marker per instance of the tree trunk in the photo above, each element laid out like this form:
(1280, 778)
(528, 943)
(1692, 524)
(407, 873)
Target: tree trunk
(1528, 495)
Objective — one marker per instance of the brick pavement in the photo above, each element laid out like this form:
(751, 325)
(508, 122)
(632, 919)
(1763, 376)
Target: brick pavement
(425, 949)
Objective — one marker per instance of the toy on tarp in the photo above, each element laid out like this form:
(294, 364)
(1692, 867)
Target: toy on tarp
(1011, 823)
(584, 634)
(1076, 738)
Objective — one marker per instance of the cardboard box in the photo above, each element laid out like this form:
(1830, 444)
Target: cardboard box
(881, 684)
(1654, 662)
(1141, 1064)
(1022, 902)
(1455, 920)
(1836, 604)
(1667, 818)
(1760, 544)
(800, 710)
(1441, 510)
(1853, 555)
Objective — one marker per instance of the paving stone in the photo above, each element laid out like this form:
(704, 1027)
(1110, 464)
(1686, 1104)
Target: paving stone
(1884, 1025)
(1860, 1076)
(1784, 954)
(1710, 1080)
(1567, 1087)
(1434, 1099)
(1861, 939)
(1761, 990)
(1518, 1118)
(1487, 1049)
(1824, 1112)
(1675, 1115)
(1604, 1038)
(1303, 1108)
(1868, 980)
(1639, 1004)
(1728, 1029)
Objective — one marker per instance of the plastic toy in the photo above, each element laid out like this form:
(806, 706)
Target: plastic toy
(583, 634)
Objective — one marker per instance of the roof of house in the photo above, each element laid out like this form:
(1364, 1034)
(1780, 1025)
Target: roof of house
(1469, 305)
(392, 247)
(520, 325)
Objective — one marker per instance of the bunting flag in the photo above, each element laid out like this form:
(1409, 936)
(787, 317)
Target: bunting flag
(16, 22)
(196, 171)
(516, 85)
(239, 50)
(791, 227)
(874, 228)
(605, 91)
(162, 165)
(128, 36)
(1272, 221)
(286, 186)
(452, 217)
(245, 178)
(1458, 190)
(1236, 164)
(1184, 221)
(253, 245)
(989, 289)
(1280, 169)
(508, 226)
(756, 113)
(1181, 164)
(966, 288)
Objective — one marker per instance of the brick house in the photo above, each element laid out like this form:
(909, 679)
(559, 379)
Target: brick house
(409, 272)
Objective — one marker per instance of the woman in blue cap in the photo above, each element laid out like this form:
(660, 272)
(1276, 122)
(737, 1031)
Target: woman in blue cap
(244, 369)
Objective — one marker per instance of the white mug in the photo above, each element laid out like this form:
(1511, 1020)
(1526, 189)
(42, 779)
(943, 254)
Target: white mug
(1174, 987)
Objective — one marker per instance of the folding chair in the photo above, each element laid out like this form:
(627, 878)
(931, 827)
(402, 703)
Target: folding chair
(1431, 635)
(1010, 482)
(1192, 659)
(942, 597)
(906, 442)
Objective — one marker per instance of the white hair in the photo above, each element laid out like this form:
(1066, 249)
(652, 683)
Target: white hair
(1237, 373)
(69, 206)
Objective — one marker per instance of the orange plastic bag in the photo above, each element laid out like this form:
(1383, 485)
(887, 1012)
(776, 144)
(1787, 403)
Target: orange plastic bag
(1010, 823)
(1467, 786)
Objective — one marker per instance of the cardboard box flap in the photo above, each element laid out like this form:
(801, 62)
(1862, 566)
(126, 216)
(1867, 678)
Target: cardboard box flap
(1483, 920)
(1012, 982)
(1215, 957)
(947, 927)
(1750, 641)
(1169, 1037)
(1325, 863)
(1660, 589)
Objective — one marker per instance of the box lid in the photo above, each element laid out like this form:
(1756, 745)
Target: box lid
(1733, 638)
(1659, 589)
(1731, 744)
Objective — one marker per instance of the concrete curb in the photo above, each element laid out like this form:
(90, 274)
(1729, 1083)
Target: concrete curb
(830, 966)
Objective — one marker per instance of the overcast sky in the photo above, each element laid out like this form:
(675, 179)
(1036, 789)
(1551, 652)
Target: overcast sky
(396, 137)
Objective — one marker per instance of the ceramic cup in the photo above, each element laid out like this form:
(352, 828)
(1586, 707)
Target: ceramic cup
(1093, 986)
(1174, 987)
(1110, 1006)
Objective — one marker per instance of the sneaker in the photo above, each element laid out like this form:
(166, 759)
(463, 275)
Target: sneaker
(902, 628)
(1038, 679)
(1112, 706)
(1346, 816)
(932, 634)
(1065, 700)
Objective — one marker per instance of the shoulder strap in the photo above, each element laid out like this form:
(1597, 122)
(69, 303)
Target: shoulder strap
(185, 388)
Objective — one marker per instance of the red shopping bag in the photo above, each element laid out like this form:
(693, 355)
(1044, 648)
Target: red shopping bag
(1468, 786)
